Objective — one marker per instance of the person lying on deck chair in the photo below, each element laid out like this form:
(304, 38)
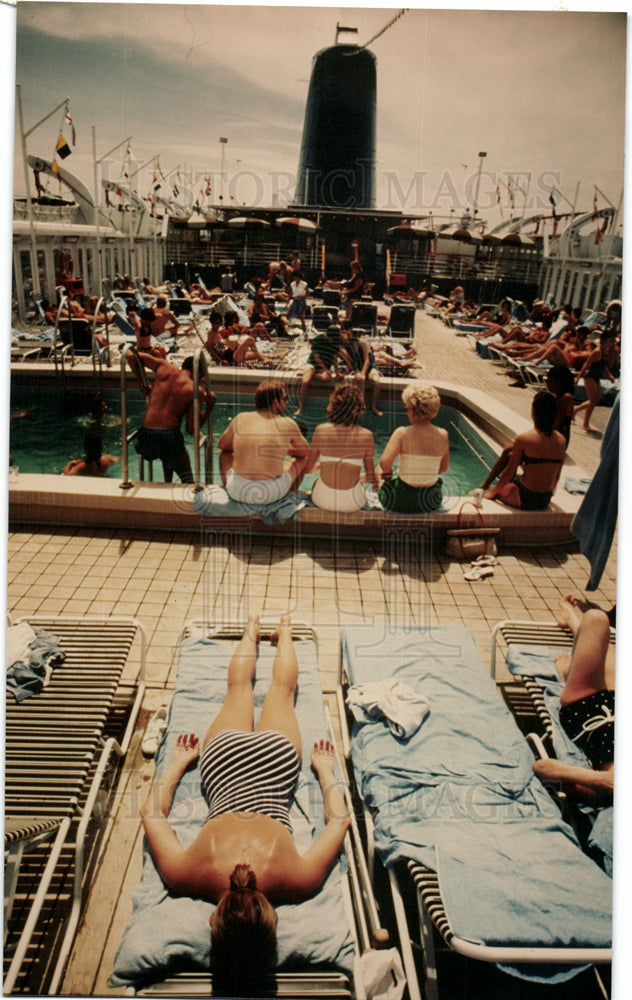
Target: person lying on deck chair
(244, 858)
(587, 706)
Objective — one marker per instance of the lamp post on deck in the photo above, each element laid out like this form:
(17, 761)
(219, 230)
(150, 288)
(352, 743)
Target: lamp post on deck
(481, 157)
(223, 142)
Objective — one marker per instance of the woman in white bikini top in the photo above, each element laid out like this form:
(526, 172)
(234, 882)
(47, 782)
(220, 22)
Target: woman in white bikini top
(340, 448)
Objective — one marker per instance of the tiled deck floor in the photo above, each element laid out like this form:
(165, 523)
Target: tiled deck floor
(167, 578)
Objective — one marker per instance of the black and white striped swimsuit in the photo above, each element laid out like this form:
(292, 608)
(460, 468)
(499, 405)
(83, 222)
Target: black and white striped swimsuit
(249, 772)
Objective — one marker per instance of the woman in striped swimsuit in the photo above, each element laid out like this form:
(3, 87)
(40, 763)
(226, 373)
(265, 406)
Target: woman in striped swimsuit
(244, 858)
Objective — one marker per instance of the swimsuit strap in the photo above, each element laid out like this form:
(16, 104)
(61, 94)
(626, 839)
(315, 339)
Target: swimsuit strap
(340, 458)
(532, 460)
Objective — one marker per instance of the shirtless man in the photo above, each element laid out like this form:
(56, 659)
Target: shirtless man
(164, 320)
(587, 705)
(170, 399)
(263, 453)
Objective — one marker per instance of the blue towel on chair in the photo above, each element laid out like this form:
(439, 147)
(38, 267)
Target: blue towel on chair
(214, 500)
(26, 677)
(595, 521)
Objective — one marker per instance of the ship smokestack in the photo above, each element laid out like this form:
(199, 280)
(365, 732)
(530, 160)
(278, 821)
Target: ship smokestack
(337, 160)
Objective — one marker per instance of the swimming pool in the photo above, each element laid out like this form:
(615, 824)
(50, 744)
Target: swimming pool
(47, 428)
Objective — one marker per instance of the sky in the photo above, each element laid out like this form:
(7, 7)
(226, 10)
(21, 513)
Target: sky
(541, 93)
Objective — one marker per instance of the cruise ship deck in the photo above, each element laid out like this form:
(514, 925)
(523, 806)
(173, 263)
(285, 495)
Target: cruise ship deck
(165, 578)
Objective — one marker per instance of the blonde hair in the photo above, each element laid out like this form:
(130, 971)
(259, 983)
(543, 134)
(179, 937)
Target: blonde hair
(422, 399)
(243, 936)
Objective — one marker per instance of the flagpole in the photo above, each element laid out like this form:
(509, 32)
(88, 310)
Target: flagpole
(37, 293)
(96, 197)
(96, 211)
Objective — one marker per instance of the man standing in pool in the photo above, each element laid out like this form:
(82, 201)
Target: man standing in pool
(263, 454)
(170, 399)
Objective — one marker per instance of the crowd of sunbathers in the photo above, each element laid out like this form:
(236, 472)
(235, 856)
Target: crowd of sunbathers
(587, 346)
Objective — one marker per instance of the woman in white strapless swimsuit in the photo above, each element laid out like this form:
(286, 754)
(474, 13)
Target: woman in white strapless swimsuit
(340, 448)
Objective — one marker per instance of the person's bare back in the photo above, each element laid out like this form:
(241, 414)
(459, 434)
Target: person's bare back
(261, 443)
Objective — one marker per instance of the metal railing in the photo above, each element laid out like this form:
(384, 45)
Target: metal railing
(202, 442)
(126, 438)
(61, 350)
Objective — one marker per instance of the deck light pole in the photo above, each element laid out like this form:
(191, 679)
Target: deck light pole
(481, 157)
(223, 142)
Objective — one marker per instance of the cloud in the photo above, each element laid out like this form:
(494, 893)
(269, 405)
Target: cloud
(538, 91)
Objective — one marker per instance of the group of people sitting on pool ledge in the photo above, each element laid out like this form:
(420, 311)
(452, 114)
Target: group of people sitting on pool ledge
(264, 454)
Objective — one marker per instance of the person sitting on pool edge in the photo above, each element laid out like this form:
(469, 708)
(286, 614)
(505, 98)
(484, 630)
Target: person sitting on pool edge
(263, 454)
(540, 452)
(340, 448)
(244, 858)
(423, 452)
(325, 362)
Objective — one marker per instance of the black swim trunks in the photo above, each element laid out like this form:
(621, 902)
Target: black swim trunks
(589, 723)
(166, 444)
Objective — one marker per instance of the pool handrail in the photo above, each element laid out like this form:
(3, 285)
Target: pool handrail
(126, 484)
(206, 441)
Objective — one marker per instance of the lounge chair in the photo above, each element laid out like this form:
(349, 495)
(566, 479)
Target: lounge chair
(318, 940)
(401, 322)
(364, 317)
(323, 317)
(455, 804)
(59, 746)
(531, 649)
(332, 298)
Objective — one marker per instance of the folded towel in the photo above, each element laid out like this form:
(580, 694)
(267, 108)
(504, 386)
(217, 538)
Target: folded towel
(577, 485)
(29, 674)
(215, 500)
(19, 638)
(396, 703)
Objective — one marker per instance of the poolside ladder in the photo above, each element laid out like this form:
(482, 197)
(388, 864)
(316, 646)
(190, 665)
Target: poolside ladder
(61, 350)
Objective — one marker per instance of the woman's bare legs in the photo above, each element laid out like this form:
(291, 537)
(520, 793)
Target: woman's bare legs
(237, 712)
(590, 664)
(593, 391)
(278, 708)
(589, 669)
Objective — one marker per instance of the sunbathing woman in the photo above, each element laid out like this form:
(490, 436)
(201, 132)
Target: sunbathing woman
(587, 705)
(342, 447)
(540, 452)
(244, 858)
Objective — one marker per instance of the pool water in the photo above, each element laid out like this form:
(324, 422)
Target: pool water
(47, 428)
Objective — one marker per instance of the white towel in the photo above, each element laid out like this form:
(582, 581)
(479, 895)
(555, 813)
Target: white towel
(19, 638)
(402, 708)
(379, 975)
